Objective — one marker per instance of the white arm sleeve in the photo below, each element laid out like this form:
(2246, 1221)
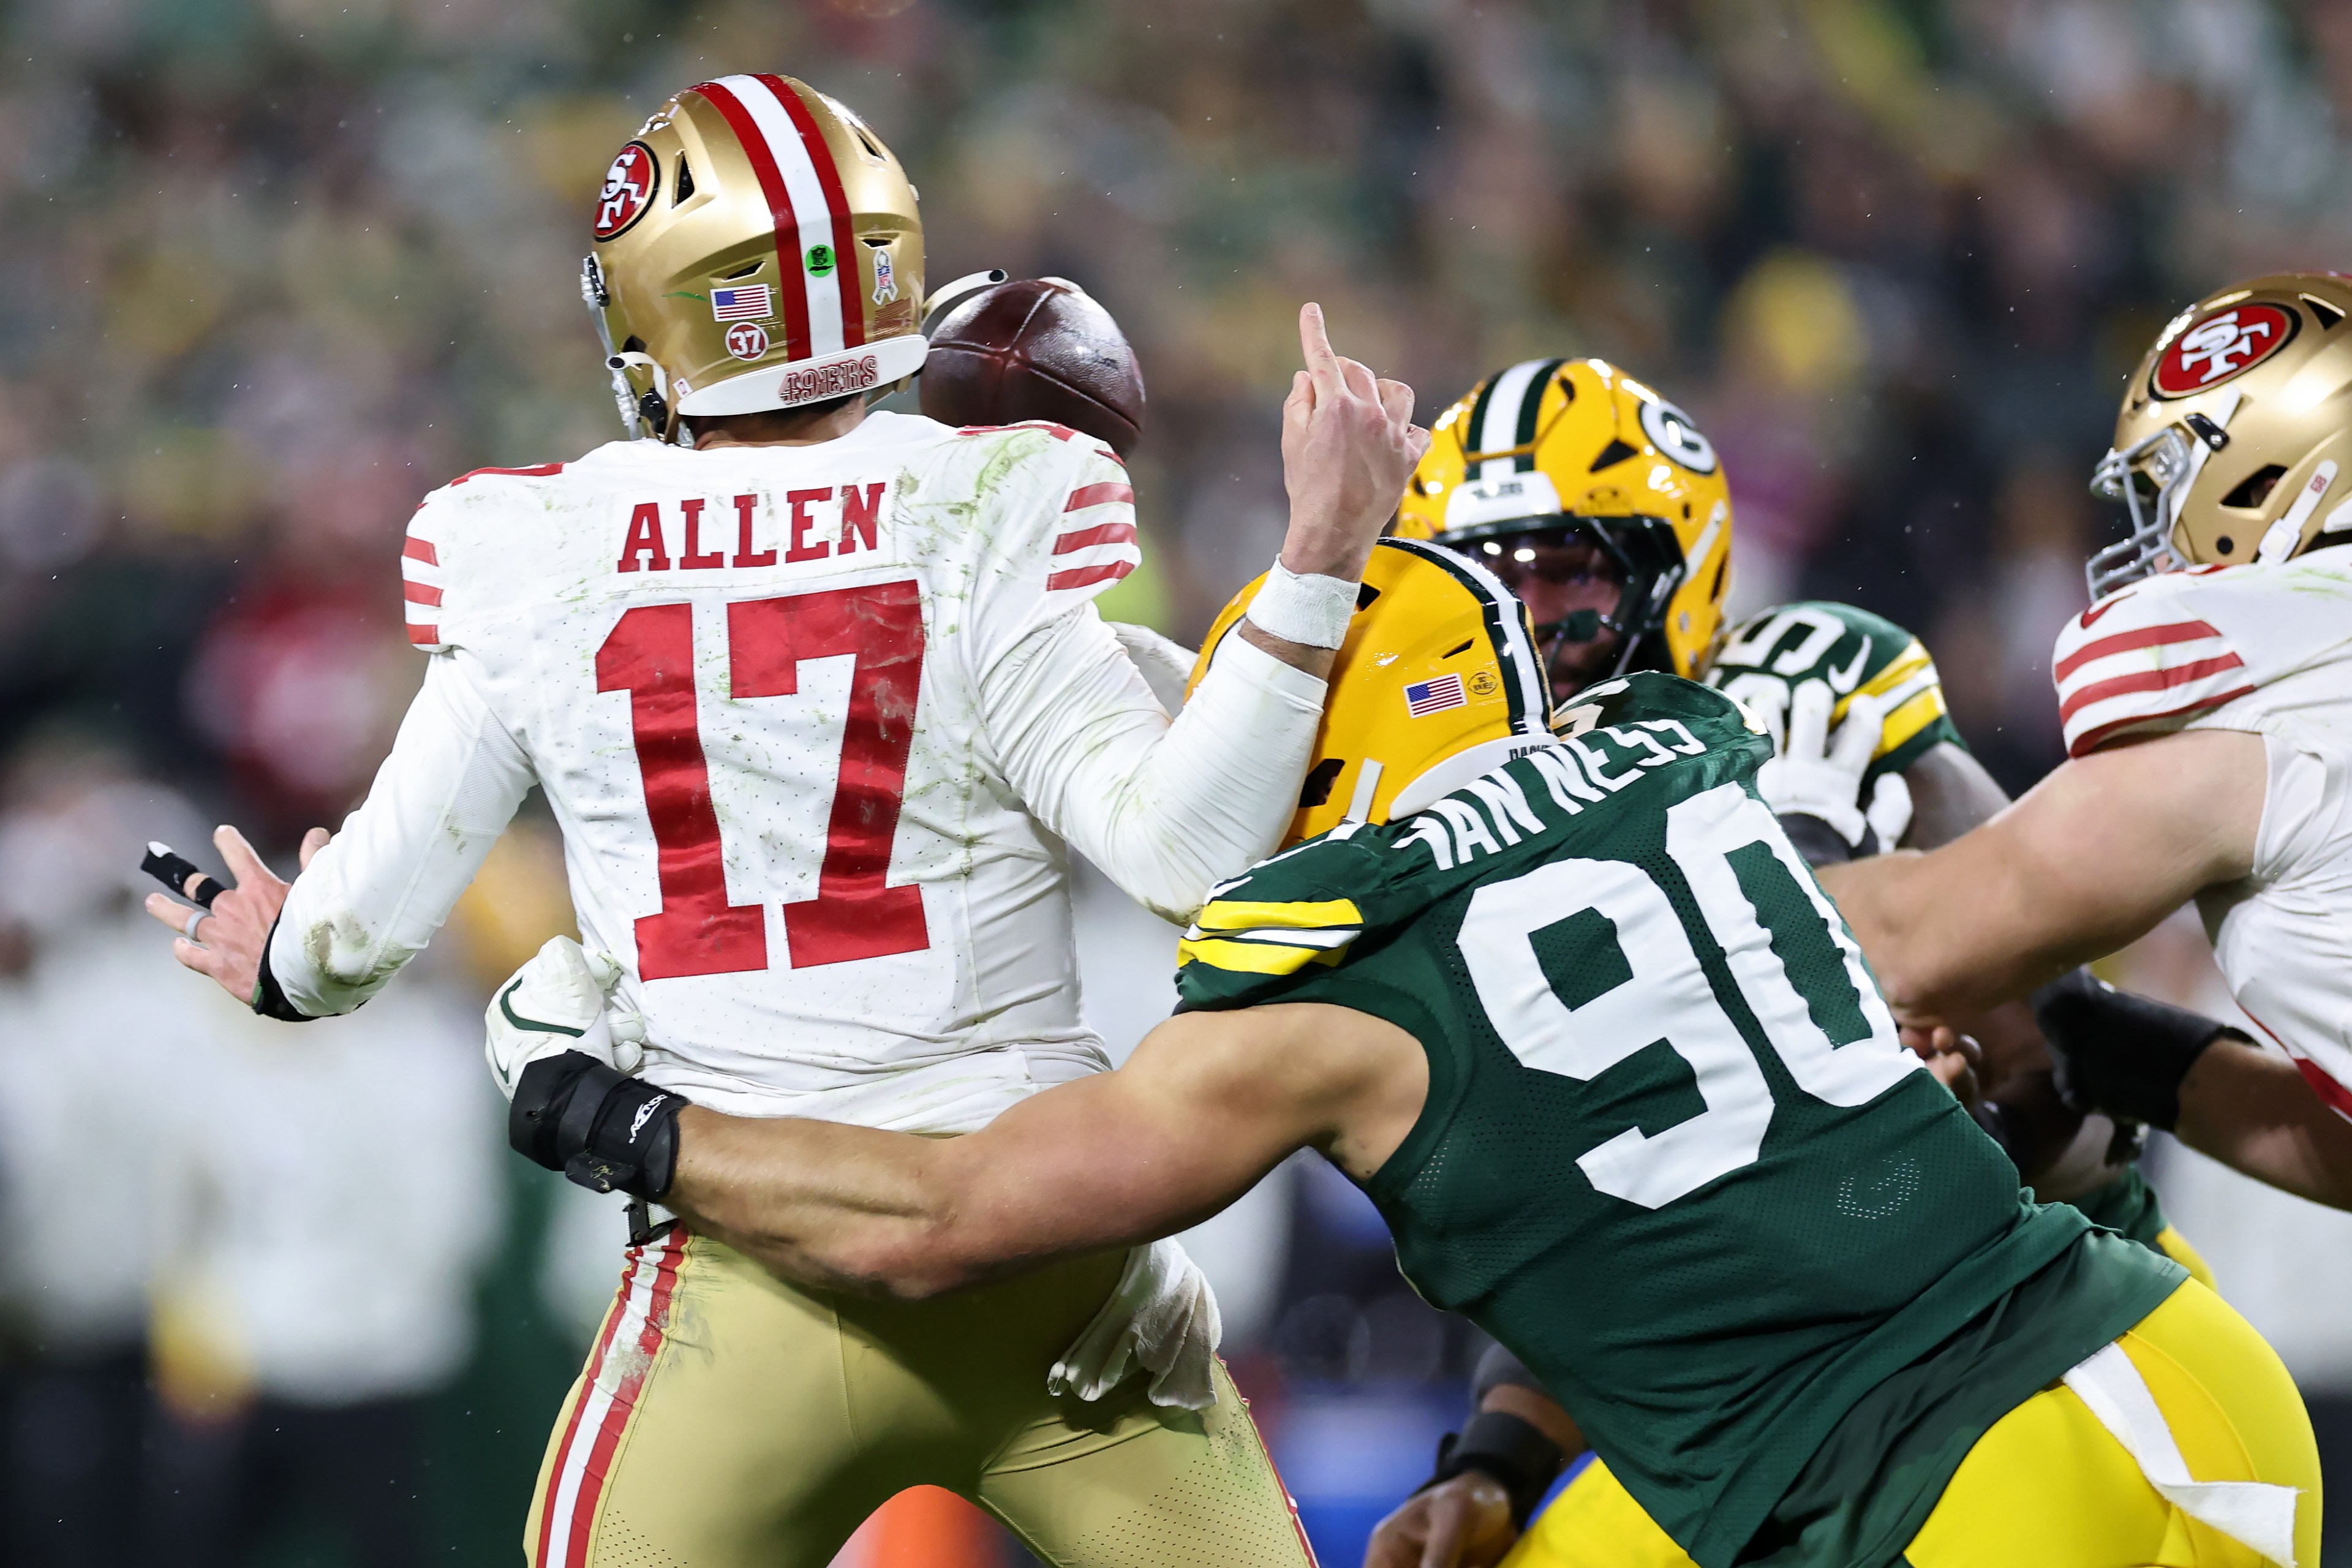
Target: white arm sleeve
(1167, 809)
(372, 898)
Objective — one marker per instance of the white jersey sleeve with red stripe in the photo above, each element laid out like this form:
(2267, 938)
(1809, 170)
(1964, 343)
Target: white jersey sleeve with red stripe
(2143, 660)
(2264, 648)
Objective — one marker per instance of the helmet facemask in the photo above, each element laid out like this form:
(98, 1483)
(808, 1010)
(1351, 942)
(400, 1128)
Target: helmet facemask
(2151, 478)
(1645, 559)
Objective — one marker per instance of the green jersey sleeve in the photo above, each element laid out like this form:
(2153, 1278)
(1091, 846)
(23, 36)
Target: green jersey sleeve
(1764, 658)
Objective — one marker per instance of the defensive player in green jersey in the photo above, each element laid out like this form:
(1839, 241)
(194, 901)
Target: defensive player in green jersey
(1605, 509)
(1576, 1014)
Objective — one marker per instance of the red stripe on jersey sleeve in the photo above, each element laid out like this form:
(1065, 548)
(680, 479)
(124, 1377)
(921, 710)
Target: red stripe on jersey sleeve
(2145, 680)
(2337, 1097)
(420, 593)
(2123, 642)
(530, 471)
(420, 550)
(1108, 533)
(1103, 494)
(2091, 740)
(1086, 576)
(424, 636)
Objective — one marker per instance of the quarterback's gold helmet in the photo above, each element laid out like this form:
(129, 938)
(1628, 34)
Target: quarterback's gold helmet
(2235, 432)
(1436, 683)
(756, 247)
(1559, 447)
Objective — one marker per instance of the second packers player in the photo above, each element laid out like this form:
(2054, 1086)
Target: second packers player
(1603, 506)
(1574, 1012)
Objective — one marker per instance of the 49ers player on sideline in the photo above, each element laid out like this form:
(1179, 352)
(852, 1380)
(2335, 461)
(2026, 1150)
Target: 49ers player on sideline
(818, 698)
(2207, 698)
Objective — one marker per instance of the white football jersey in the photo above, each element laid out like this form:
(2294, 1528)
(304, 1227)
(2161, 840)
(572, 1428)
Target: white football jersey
(816, 722)
(2265, 648)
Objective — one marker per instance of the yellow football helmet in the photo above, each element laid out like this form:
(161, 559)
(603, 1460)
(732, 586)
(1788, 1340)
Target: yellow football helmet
(2234, 432)
(1437, 682)
(1575, 446)
(756, 247)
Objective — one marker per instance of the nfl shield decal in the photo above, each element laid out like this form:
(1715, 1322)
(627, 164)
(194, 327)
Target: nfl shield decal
(2221, 345)
(747, 339)
(629, 186)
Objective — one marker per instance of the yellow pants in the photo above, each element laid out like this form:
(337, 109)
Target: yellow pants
(2047, 1486)
(728, 1420)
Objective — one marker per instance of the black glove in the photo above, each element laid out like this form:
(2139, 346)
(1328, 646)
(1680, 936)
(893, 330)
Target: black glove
(1507, 1449)
(2119, 1053)
(572, 1113)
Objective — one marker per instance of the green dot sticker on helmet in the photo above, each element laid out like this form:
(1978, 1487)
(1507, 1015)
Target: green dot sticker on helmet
(820, 260)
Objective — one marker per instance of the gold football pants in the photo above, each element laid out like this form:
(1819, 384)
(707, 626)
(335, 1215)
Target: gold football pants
(728, 1420)
(2048, 1487)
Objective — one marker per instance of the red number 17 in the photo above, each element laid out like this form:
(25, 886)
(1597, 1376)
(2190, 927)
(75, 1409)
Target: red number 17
(855, 914)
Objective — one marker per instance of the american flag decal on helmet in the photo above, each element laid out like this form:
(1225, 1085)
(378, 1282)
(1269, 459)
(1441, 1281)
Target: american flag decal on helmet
(749, 302)
(822, 314)
(1425, 697)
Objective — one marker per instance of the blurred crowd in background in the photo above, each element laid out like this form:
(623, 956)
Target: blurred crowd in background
(271, 270)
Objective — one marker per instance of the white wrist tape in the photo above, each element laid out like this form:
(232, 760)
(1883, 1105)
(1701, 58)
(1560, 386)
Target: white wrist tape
(1312, 611)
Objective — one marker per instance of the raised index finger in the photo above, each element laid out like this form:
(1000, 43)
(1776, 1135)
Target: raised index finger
(1314, 346)
(244, 864)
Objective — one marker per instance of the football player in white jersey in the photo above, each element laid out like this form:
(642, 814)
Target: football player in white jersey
(2207, 698)
(820, 699)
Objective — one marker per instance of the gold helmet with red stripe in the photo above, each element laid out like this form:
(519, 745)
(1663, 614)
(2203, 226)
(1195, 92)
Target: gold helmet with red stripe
(2235, 432)
(757, 247)
(1437, 682)
(1573, 459)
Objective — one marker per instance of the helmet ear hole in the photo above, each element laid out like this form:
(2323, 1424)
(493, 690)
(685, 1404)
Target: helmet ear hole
(684, 185)
(2255, 488)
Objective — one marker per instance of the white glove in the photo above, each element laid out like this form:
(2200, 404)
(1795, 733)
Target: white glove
(1819, 777)
(556, 1003)
(1162, 1316)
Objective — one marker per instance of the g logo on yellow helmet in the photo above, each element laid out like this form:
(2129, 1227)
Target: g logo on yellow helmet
(1676, 436)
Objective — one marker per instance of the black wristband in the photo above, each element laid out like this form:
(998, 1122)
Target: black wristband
(1507, 1449)
(2119, 1053)
(609, 1134)
(268, 999)
(1822, 845)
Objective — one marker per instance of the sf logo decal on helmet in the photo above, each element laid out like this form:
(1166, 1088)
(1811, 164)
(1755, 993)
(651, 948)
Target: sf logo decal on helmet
(629, 186)
(2222, 346)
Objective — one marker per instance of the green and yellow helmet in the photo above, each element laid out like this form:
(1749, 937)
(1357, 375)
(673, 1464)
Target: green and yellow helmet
(1437, 682)
(1578, 446)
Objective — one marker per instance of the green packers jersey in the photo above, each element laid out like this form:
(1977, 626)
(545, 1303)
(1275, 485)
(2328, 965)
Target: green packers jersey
(1672, 1154)
(1763, 658)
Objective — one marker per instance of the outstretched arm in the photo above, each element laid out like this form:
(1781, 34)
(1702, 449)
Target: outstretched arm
(1208, 1104)
(368, 900)
(2095, 856)
(1169, 809)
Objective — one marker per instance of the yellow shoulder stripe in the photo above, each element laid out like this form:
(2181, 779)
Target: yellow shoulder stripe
(1239, 914)
(1911, 679)
(1253, 957)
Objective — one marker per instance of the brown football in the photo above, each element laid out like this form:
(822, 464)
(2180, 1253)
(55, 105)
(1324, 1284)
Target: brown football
(1034, 348)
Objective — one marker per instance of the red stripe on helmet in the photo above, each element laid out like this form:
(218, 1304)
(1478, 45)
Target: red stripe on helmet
(793, 294)
(836, 201)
